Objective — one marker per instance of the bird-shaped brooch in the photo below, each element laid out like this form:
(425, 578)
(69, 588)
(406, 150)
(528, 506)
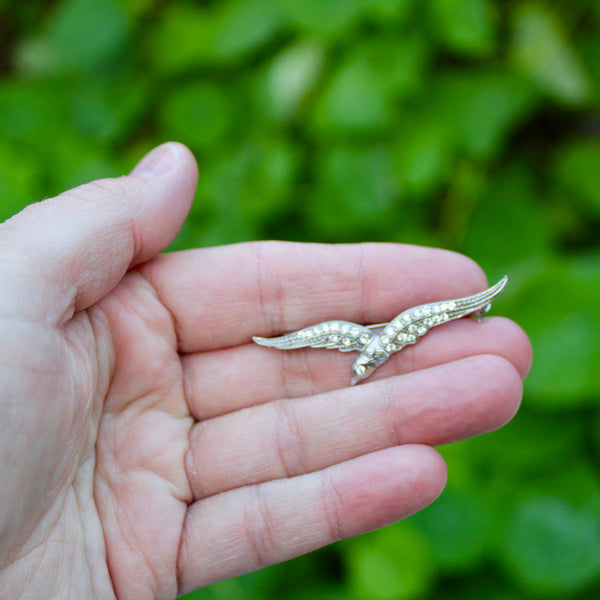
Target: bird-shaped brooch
(375, 349)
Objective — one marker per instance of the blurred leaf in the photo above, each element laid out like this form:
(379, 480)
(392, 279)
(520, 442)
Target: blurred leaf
(19, 180)
(577, 167)
(491, 104)
(485, 584)
(272, 167)
(521, 446)
(355, 100)
(393, 563)
(559, 353)
(384, 11)
(76, 161)
(361, 94)
(188, 36)
(33, 112)
(576, 482)
(556, 305)
(458, 526)
(540, 50)
(463, 194)
(106, 109)
(550, 547)
(423, 153)
(323, 18)
(255, 178)
(181, 38)
(198, 114)
(589, 49)
(82, 36)
(494, 220)
(465, 26)
(400, 63)
(136, 9)
(289, 79)
(242, 26)
(240, 191)
(356, 189)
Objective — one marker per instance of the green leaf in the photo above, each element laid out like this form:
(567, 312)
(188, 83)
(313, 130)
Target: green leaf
(356, 191)
(562, 373)
(393, 563)
(400, 63)
(106, 109)
(467, 27)
(289, 79)
(181, 38)
(322, 18)
(556, 304)
(577, 167)
(187, 36)
(424, 151)
(540, 50)
(240, 192)
(516, 449)
(243, 26)
(19, 180)
(75, 161)
(355, 100)
(458, 525)
(82, 36)
(476, 586)
(361, 96)
(386, 11)
(588, 48)
(550, 547)
(197, 113)
(576, 482)
(33, 112)
(508, 206)
(271, 171)
(493, 105)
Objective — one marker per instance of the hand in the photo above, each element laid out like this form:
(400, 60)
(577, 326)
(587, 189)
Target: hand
(148, 448)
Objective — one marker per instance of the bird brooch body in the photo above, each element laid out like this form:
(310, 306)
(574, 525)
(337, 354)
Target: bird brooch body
(375, 349)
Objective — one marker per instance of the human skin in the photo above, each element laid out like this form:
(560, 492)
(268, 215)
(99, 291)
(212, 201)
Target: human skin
(148, 448)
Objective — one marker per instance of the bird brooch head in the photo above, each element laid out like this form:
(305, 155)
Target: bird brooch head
(375, 349)
(368, 361)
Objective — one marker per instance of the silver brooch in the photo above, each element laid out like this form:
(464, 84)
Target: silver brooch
(375, 349)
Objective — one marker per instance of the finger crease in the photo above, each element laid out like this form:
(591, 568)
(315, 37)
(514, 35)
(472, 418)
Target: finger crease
(289, 440)
(394, 420)
(258, 528)
(332, 503)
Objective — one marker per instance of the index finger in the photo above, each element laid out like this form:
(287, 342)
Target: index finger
(223, 296)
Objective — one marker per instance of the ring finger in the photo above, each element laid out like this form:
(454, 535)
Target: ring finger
(291, 437)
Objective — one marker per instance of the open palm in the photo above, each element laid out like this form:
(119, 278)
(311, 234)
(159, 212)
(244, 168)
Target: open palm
(149, 448)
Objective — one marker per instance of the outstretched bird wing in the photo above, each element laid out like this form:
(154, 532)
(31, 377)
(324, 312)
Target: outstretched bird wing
(414, 323)
(338, 335)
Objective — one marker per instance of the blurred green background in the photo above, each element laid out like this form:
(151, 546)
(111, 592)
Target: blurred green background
(468, 124)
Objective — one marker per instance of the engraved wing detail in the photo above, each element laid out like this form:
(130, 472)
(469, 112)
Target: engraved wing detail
(337, 335)
(415, 322)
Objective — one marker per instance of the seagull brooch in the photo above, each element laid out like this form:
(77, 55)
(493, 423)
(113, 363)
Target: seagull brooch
(375, 349)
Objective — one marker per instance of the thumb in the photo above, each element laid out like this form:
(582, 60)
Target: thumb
(67, 252)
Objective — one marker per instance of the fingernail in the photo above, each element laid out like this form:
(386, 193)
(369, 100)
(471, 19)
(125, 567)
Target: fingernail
(157, 162)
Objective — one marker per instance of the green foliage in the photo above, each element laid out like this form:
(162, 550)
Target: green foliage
(394, 563)
(468, 124)
(551, 547)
